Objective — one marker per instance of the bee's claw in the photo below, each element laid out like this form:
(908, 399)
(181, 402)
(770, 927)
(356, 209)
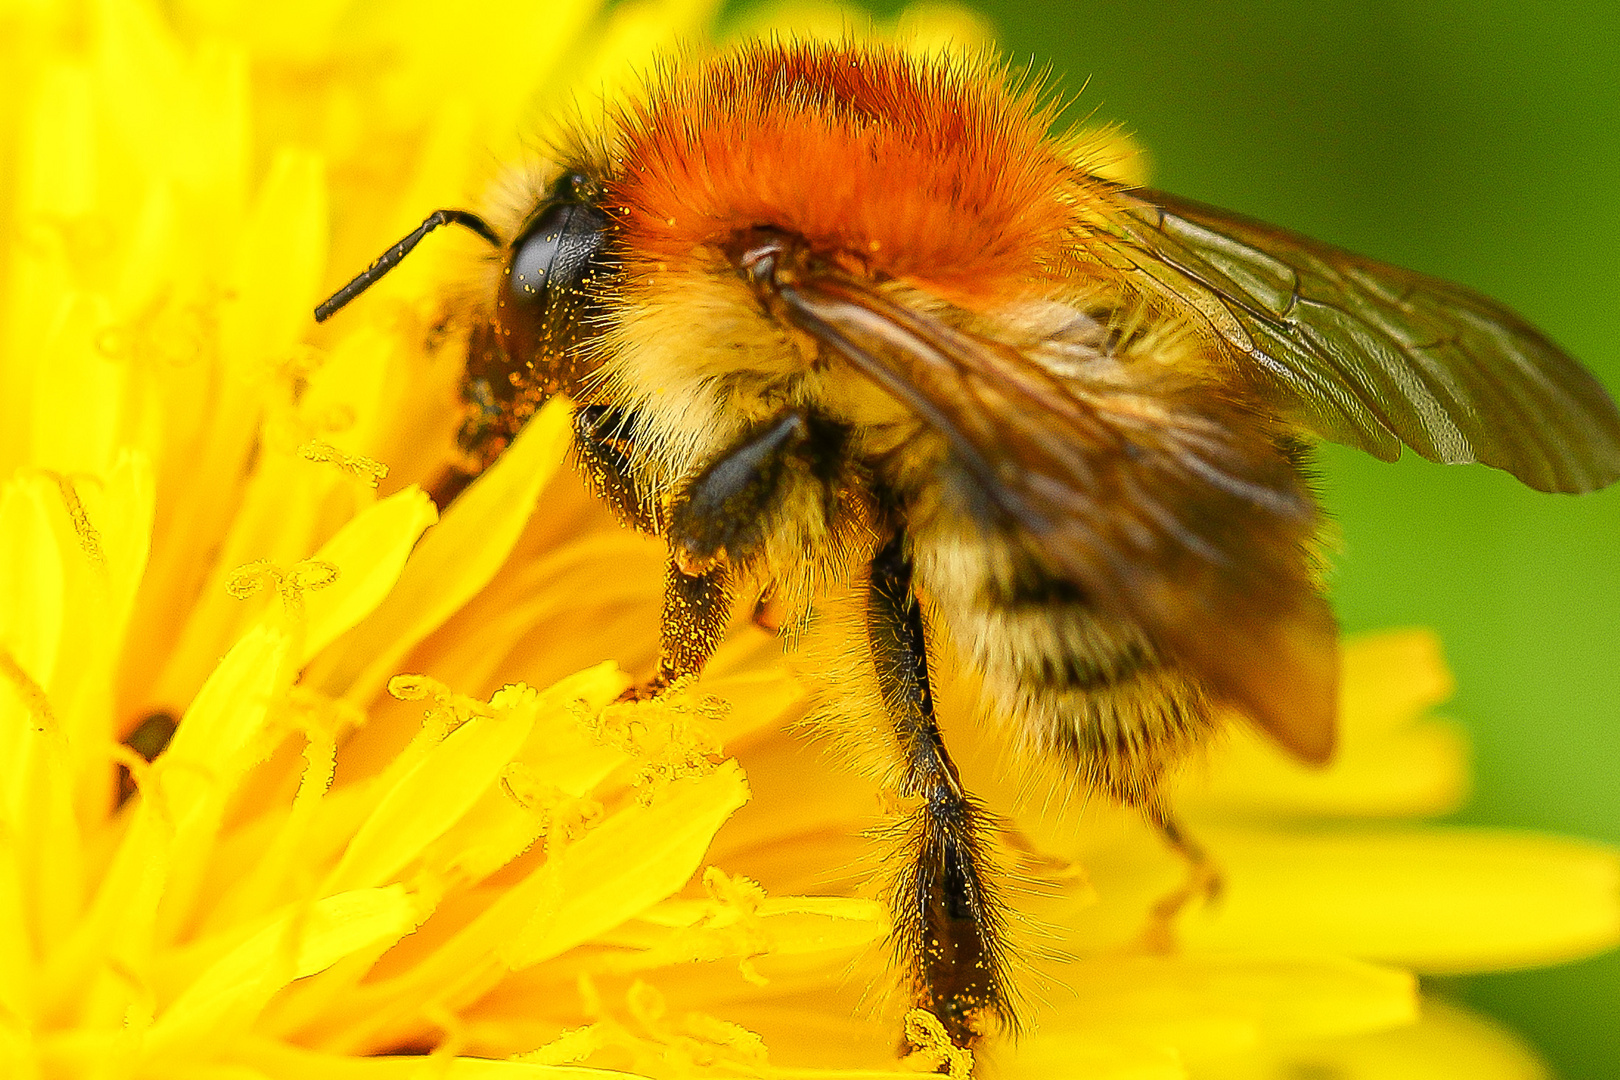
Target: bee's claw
(769, 612)
(654, 687)
(1204, 883)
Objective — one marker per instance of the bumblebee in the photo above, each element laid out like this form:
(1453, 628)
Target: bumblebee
(839, 311)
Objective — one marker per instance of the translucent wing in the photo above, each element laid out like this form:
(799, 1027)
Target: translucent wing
(1371, 355)
(1167, 505)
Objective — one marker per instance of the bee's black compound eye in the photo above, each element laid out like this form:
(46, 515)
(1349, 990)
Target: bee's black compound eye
(554, 274)
(558, 252)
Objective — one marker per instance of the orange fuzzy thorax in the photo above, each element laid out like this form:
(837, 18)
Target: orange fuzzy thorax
(935, 171)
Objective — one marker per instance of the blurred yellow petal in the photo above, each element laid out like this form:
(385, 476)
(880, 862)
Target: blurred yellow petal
(1441, 900)
(1055, 1058)
(228, 995)
(1437, 899)
(1204, 1004)
(31, 584)
(1394, 759)
(279, 1060)
(1447, 1043)
(278, 261)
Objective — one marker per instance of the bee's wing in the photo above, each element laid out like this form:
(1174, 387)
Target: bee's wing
(1166, 505)
(1371, 355)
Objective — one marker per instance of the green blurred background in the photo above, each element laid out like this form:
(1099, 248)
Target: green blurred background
(1478, 140)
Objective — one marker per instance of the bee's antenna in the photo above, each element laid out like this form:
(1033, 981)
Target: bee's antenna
(390, 258)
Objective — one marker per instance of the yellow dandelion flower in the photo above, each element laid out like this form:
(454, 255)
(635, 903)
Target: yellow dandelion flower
(401, 826)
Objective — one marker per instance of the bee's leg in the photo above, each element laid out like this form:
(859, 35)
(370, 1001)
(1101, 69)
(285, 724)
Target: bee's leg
(692, 622)
(602, 441)
(726, 511)
(1203, 880)
(722, 516)
(693, 617)
(494, 410)
(949, 927)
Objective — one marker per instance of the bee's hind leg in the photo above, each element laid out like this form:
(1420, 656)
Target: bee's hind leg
(1203, 881)
(949, 926)
(691, 624)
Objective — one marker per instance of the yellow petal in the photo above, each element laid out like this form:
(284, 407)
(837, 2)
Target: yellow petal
(455, 559)
(230, 993)
(633, 859)
(352, 398)
(278, 261)
(527, 620)
(370, 553)
(599, 890)
(219, 737)
(120, 510)
(222, 735)
(432, 795)
(1448, 1043)
(1051, 1058)
(31, 584)
(1442, 900)
(684, 931)
(1203, 1003)
(181, 116)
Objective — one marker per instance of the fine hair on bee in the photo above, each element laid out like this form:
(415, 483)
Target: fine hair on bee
(834, 312)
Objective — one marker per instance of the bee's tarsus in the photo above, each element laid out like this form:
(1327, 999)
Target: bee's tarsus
(391, 258)
(1203, 882)
(693, 620)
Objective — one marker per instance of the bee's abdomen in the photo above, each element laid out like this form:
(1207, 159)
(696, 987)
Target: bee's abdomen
(1063, 671)
(1077, 683)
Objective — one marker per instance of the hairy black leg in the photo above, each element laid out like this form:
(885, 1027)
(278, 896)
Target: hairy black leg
(719, 517)
(949, 927)
(603, 439)
(692, 623)
(718, 521)
(725, 512)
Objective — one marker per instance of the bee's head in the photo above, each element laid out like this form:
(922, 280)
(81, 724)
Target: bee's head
(548, 300)
(548, 304)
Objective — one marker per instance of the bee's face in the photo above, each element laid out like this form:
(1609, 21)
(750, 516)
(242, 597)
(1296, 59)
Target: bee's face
(548, 302)
(834, 312)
